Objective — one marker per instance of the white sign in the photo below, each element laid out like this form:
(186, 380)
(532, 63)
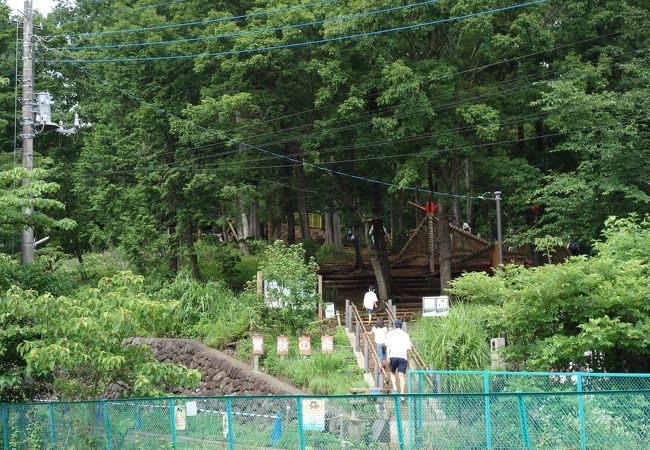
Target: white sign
(275, 294)
(329, 310)
(435, 306)
(180, 421)
(327, 344)
(191, 409)
(313, 414)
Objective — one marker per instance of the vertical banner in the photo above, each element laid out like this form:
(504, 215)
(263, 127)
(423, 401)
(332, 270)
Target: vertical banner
(327, 344)
(282, 346)
(304, 345)
(258, 344)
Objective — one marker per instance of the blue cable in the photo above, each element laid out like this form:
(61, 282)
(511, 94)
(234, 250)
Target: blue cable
(251, 32)
(121, 11)
(198, 22)
(263, 150)
(299, 44)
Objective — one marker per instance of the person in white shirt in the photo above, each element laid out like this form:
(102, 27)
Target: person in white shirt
(398, 343)
(370, 302)
(379, 332)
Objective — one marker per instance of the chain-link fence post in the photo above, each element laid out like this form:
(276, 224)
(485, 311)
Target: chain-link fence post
(107, 425)
(5, 427)
(488, 421)
(301, 430)
(398, 422)
(172, 422)
(523, 421)
(51, 411)
(581, 412)
(231, 434)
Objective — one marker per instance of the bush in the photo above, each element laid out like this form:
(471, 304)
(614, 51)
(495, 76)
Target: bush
(209, 311)
(224, 262)
(319, 373)
(38, 276)
(463, 337)
(292, 289)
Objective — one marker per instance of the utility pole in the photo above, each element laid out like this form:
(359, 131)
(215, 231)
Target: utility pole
(497, 198)
(27, 242)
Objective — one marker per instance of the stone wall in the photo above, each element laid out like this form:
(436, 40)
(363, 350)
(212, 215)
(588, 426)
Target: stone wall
(221, 374)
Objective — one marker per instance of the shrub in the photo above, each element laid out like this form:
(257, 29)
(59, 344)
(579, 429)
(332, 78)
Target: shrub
(462, 338)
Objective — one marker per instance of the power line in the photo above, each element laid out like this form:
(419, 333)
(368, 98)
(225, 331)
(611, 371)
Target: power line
(303, 43)
(250, 32)
(198, 22)
(383, 142)
(262, 150)
(118, 12)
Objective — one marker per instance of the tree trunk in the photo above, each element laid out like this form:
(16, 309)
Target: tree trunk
(444, 240)
(302, 204)
(379, 251)
(253, 219)
(171, 232)
(336, 235)
(329, 231)
(194, 260)
(468, 189)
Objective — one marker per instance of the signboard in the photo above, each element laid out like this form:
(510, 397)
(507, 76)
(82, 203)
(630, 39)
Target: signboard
(282, 346)
(180, 421)
(304, 345)
(275, 294)
(327, 344)
(313, 414)
(435, 306)
(329, 310)
(258, 344)
(191, 409)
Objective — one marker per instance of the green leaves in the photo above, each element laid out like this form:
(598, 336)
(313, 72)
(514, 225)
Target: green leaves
(80, 339)
(555, 313)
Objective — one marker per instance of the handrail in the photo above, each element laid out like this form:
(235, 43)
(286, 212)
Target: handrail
(373, 350)
(415, 355)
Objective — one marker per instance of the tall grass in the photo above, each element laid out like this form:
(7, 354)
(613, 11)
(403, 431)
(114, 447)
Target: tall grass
(457, 342)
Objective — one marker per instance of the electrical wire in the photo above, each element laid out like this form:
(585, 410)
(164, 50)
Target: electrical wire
(299, 44)
(385, 142)
(194, 23)
(250, 32)
(262, 150)
(118, 12)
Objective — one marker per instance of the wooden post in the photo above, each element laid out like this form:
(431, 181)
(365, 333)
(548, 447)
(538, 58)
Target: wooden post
(432, 259)
(320, 295)
(357, 336)
(347, 315)
(260, 283)
(366, 356)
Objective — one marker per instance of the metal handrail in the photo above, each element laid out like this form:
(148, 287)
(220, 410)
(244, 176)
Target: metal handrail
(372, 350)
(415, 355)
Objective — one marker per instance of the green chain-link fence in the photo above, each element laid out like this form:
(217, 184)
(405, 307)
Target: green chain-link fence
(558, 409)
(551, 420)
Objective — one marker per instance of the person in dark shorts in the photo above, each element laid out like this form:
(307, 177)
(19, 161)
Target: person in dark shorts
(398, 343)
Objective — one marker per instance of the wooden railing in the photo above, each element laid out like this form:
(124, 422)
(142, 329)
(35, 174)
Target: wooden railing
(353, 322)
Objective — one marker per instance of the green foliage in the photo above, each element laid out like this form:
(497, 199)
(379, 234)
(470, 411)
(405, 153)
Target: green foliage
(293, 287)
(224, 262)
(319, 373)
(555, 313)
(39, 276)
(460, 341)
(208, 311)
(77, 342)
